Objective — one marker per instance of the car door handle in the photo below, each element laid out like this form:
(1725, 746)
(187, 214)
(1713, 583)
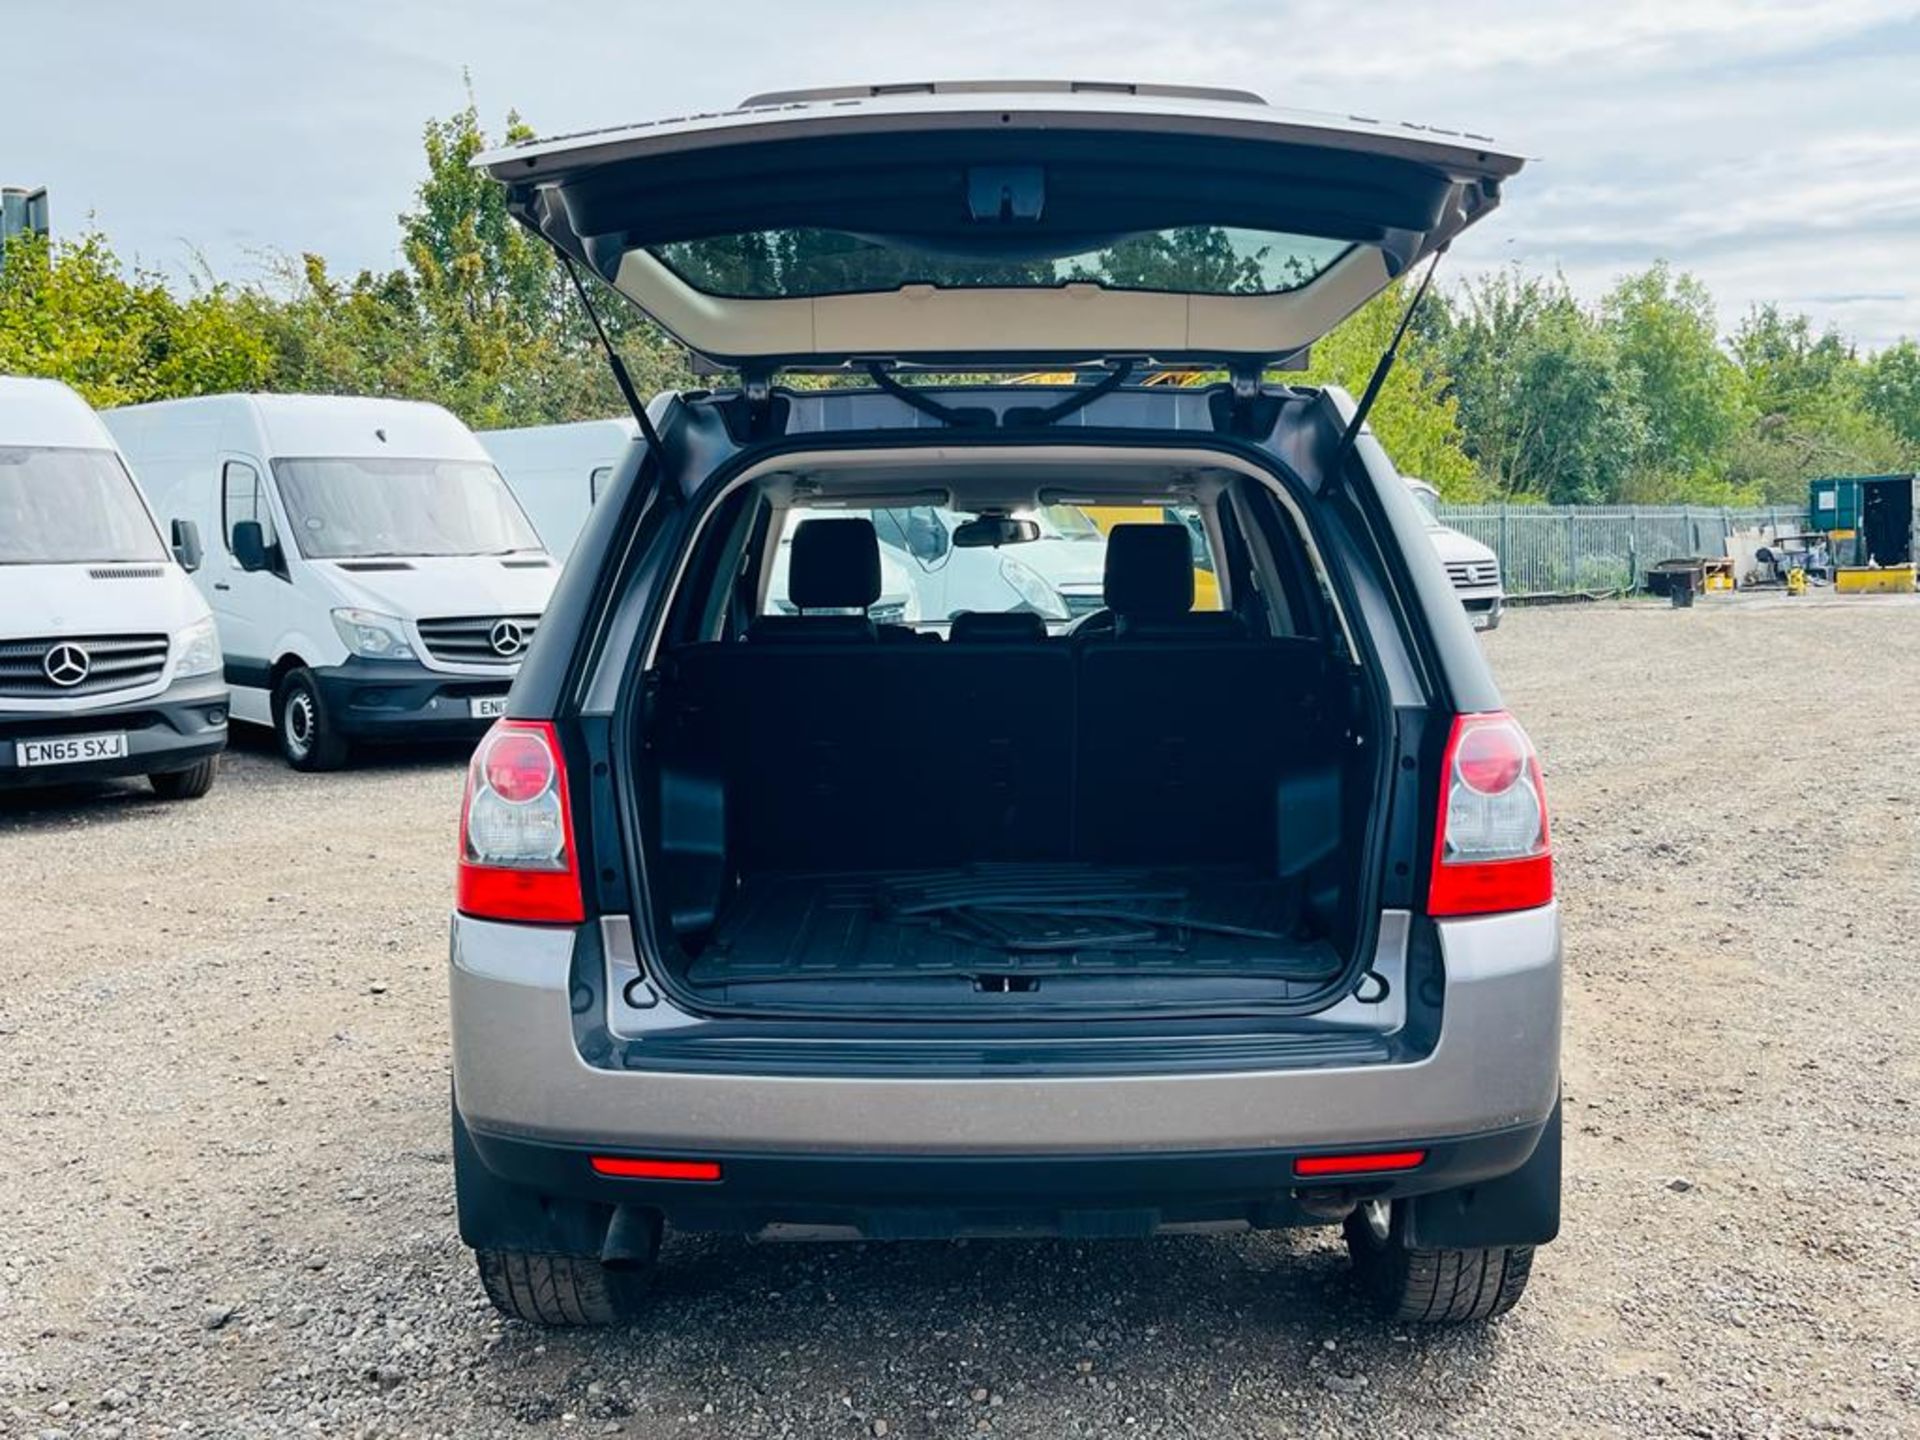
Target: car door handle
(221, 585)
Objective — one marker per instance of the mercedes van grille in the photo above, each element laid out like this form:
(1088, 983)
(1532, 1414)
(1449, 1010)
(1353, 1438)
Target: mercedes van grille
(1472, 574)
(57, 665)
(479, 639)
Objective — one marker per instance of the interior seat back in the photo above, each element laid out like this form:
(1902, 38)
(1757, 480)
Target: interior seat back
(834, 566)
(1148, 587)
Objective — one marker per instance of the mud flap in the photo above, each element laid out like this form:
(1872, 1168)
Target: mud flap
(1520, 1208)
(498, 1215)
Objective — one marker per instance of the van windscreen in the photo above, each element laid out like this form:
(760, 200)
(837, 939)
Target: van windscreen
(356, 507)
(66, 507)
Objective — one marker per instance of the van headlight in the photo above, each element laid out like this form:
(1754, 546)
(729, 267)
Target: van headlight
(199, 650)
(376, 636)
(1034, 592)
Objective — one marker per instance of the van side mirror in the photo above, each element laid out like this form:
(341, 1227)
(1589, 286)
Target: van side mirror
(250, 545)
(186, 545)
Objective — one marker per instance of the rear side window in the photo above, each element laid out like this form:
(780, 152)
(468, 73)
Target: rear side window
(244, 497)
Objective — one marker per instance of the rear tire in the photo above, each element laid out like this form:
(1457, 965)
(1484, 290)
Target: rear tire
(1431, 1287)
(306, 732)
(560, 1289)
(189, 784)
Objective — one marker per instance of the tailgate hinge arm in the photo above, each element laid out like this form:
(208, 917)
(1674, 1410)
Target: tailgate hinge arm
(1381, 370)
(616, 364)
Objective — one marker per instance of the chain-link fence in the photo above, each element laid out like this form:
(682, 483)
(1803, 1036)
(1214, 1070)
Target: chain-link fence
(1598, 549)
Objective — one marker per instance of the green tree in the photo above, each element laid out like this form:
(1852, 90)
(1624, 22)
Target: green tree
(1809, 395)
(1548, 410)
(71, 311)
(1893, 394)
(1416, 417)
(1664, 330)
(503, 339)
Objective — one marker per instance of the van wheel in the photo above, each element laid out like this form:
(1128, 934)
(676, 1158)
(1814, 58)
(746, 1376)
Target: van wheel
(308, 740)
(189, 784)
(560, 1289)
(1431, 1287)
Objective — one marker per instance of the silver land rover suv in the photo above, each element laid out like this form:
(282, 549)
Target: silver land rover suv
(1226, 903)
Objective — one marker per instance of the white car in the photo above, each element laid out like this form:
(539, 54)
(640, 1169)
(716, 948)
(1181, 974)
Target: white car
(373, 576)
(109, 663)
(1472, 567)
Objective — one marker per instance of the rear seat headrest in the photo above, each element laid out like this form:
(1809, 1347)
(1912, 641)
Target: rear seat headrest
(1011, 627)
(835, 564)
(1149, 574)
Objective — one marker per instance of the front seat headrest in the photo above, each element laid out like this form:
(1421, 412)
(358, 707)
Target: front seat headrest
(1149, 574)
(1011, 627)
(835, 564)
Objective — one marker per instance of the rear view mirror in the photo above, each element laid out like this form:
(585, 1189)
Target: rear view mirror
(250, 545)
(186, 545)
(995, 531)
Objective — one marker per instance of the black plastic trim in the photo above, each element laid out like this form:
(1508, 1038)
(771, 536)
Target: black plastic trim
(250, 672)
(402, 699)
(173, 730)
(924, 1196)
(1521, 1207)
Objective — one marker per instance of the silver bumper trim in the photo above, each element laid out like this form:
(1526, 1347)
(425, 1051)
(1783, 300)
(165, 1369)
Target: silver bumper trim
(1495, 1066)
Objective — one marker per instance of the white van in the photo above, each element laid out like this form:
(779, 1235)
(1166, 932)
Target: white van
(556, 471)
(109, 664)
(372, 575)
(1472, 567)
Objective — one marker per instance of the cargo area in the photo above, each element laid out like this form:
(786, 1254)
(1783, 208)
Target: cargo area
(1155, 808)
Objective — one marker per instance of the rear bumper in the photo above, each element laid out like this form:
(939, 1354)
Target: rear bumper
(404, 700)
(1492, 1070)
(173, 730)
(890, 1197)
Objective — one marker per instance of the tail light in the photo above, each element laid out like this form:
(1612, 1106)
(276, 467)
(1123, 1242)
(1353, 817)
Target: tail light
(517, 858)
(1490, 851)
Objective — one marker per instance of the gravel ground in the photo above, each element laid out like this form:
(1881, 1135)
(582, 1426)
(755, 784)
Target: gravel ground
(227, 1200)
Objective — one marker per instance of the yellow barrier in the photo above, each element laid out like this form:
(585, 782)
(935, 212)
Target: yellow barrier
(1890, 580)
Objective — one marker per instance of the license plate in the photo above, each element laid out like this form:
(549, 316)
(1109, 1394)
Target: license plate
(488, 707)
(71, 749)
(1482, 619)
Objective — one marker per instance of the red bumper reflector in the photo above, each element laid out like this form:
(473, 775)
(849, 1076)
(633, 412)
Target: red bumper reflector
(1377, 1162)
(622, 1168)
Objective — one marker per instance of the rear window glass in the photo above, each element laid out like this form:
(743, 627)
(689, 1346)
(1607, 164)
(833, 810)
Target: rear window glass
(925, 580)
(1191, 259)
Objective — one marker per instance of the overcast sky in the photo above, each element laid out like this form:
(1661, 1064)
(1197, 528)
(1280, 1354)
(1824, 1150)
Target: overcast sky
(1771, 148)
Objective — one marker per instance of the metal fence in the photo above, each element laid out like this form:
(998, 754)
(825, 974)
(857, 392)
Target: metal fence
(1599, 549)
